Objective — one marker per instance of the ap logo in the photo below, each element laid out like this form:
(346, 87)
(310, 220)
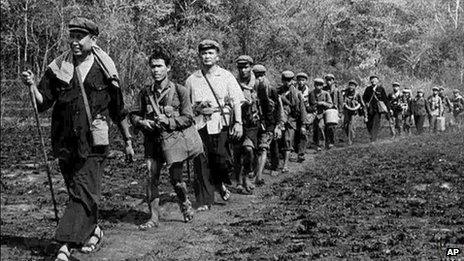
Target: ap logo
(453, 251)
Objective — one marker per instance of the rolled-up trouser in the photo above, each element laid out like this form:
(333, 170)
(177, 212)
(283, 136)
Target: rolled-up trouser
(398, 122)
(407, 123)
(212, 168)
(175, 172)
(83, 177)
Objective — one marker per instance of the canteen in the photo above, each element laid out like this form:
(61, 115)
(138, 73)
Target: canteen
(441, 123)
(331, 117)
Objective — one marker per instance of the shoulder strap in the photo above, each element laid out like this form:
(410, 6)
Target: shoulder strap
(84, 96)
(215, 97)
(154, 104)
(173, 90)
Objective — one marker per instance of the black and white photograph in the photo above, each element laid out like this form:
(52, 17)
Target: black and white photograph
(224, 130)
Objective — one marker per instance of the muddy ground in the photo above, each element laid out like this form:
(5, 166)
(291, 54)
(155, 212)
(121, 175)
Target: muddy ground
(396, 199)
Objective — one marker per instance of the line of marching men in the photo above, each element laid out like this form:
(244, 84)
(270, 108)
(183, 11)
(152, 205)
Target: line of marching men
(228, 125)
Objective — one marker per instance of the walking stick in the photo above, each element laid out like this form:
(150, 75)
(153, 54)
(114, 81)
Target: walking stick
(44, 152)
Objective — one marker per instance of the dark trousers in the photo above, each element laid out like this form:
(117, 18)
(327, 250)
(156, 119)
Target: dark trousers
(398, 122)
(419, 120)
(329, 131)
(373, 125)
(212, 168)
(83, 179)
(301, 141)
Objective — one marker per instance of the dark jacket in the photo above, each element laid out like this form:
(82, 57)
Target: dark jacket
(337, 96)
(420, 107)
(321, 96)
(70, 131)
(293, 106)
(371, 99)
(269, 104)
(180, 117)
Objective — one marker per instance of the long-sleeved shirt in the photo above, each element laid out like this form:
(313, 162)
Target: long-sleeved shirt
(435, 105)
(70, 130)
(337, 96)
(371, 97)
(395, 102)
(351, 98)
(420, 106)
(180, 114)
(457, 104)
(319, 96)
(226, 89)
(292, 105)
(270, 104)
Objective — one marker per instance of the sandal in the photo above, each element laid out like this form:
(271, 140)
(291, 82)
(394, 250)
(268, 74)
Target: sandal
(203, 208)
(63, 254)
(187, 211)
(94, 242)
(225, 193)
(149, 224)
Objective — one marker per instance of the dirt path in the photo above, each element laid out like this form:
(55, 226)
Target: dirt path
(198, 240)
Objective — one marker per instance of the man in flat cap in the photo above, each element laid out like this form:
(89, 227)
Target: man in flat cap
(82, 86)
(377, 103)
(436, 109)
(420, 110)
(244, 149)
(271, 123)
(406, 105)
(294, 114)
(301, 139)
(217, 99)
(353, 105)
(337, 99)
(457, 108)
(396, 111)
(319, 102)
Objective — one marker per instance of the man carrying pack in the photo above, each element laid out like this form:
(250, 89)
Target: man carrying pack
(160, 108)
(337, 103)
(319, 102)
(270, 106)
(215, 95)
(294, 113)
(396, 111)
(82, 85)
(244, 149)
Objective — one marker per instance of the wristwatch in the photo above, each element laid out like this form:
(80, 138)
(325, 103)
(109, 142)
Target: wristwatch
(239, 122)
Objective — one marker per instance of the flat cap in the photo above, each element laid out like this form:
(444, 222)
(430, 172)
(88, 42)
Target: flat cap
(208, 44)
(396, 84)
(420, 91)
(83, 25)
(302, 75)
(288, 74)
(353, 82)
(455, 91)
(407, 90)
(319, 80)
(329, 76)
(258, 68)
(435, 88)
(244, 59)
(441, 88)
(373, 76)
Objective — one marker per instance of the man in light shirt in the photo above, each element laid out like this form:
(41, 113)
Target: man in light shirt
(216, 98)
